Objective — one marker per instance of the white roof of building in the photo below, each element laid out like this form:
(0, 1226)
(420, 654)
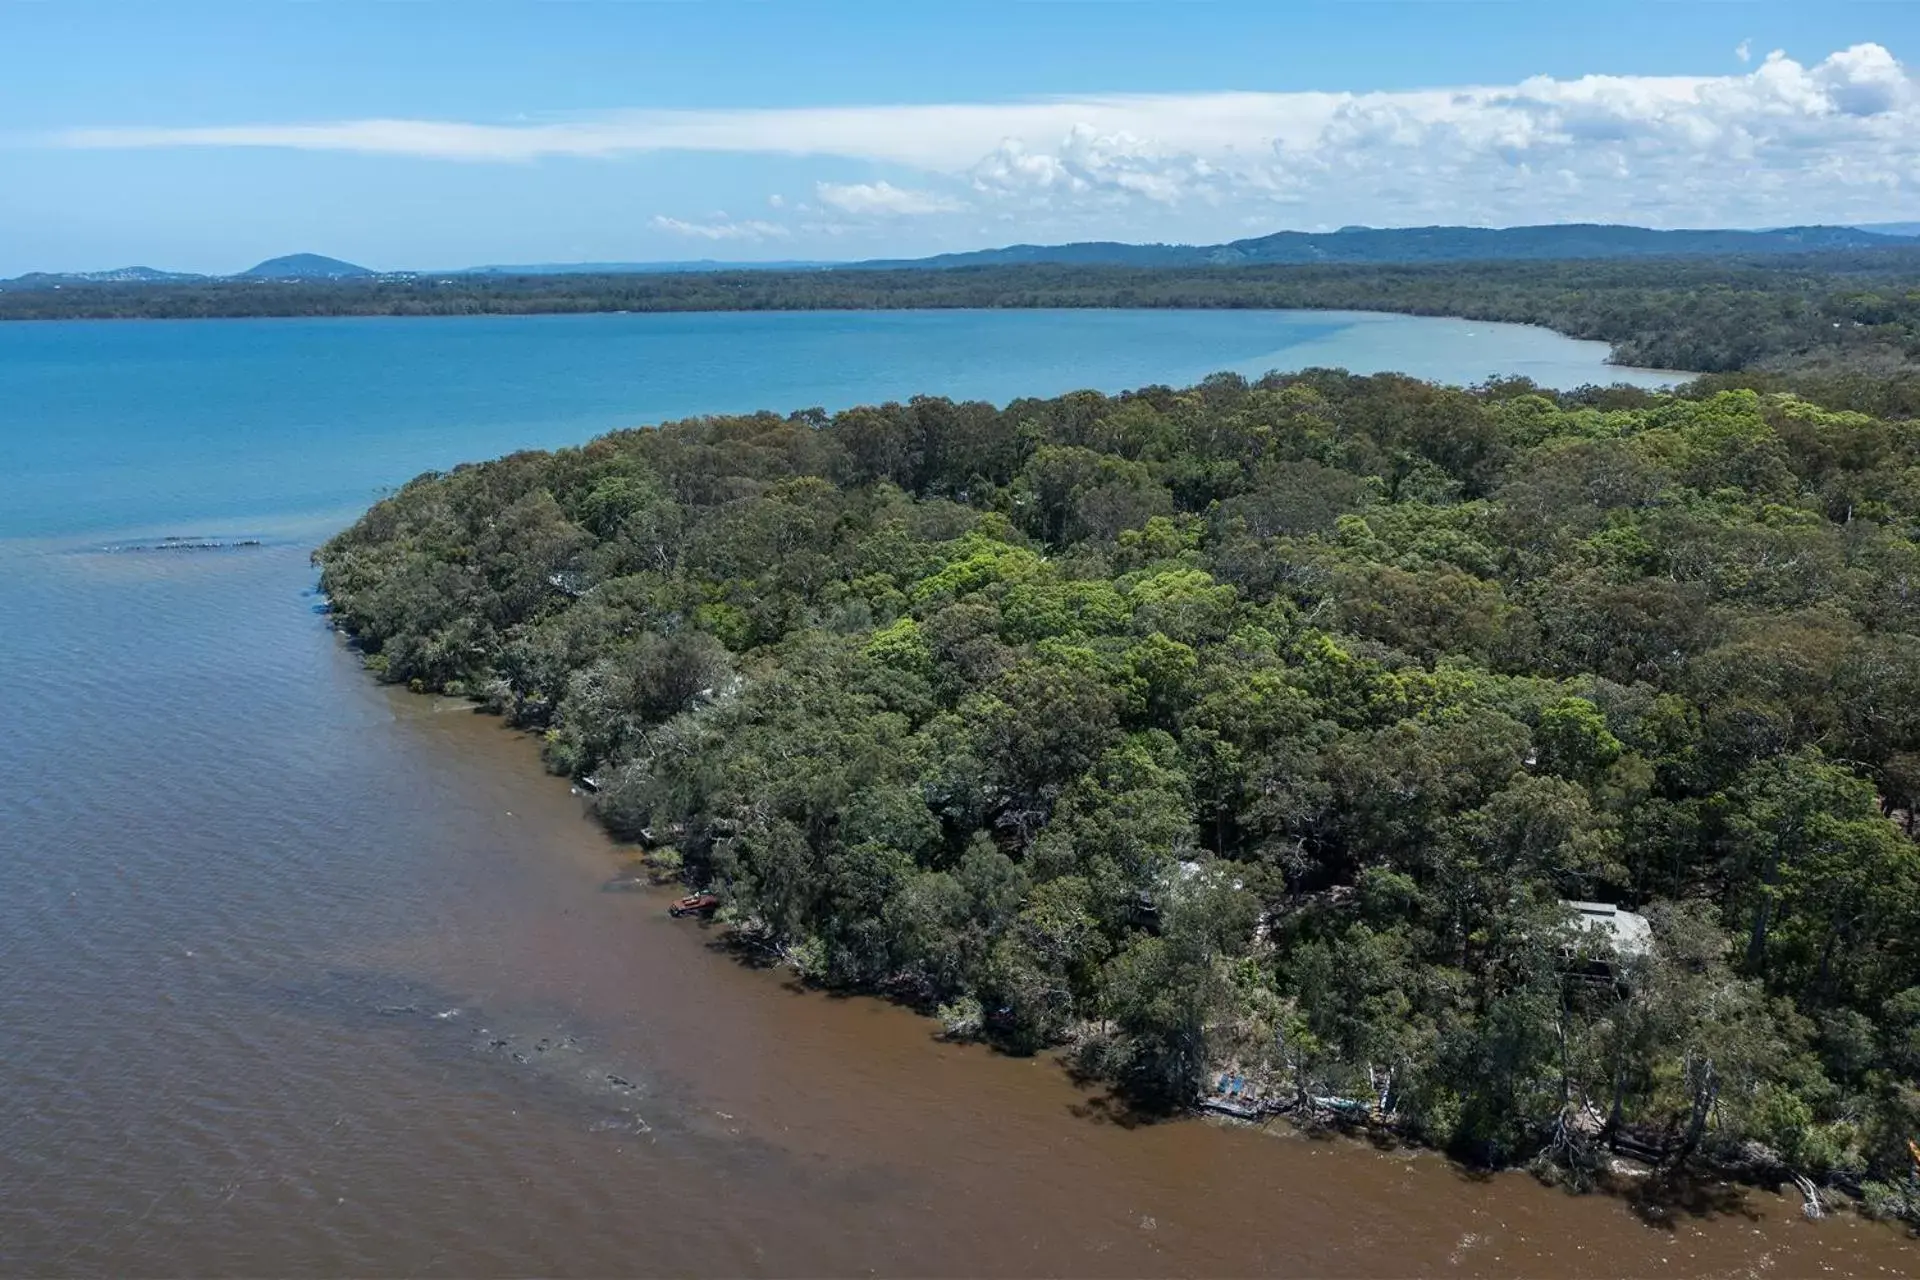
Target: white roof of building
(1630, 933)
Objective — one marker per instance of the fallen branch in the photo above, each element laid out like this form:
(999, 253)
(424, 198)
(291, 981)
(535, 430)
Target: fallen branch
(1812, 1207)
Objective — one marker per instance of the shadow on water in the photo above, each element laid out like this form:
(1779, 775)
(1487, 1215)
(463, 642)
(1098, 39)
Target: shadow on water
(1662, 1200)
(1108, 1107)
(748, 954)
(1659, 1199)
(634, 877)
(1105, 1101)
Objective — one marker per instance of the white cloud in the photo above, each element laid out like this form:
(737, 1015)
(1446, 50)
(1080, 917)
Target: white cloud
(883, 198)
(1744, 51)
(721, 228)
(1865, 81)
(1088, 165)
(1781, 141)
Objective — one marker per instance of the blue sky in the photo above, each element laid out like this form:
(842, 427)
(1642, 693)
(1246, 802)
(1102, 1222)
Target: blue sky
(207, 136)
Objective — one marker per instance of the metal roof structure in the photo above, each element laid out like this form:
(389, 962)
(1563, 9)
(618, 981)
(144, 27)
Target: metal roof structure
(1629, 933)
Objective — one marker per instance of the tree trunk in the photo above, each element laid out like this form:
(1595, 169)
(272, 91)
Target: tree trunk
(1706, 1091)
(1824, 979)
(1763, 916)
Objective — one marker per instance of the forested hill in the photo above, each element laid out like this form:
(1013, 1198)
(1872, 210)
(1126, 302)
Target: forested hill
(1401, 245)
(1260, 729)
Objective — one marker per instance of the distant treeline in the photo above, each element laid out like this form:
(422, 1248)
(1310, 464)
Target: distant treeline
(1815, 315)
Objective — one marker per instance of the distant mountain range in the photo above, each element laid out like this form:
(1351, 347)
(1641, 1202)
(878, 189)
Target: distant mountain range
(1349, 245)
(630, 268)
(305, 266)
(118, 275)
(294, 266)
(1360, 245)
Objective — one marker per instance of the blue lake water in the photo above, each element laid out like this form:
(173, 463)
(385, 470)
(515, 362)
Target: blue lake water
(300, 975)
(191, 426)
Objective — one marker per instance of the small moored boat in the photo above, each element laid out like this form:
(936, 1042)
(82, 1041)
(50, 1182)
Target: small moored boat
(694, 904)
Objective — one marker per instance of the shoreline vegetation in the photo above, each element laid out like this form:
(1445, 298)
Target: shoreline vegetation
(1842, 325)
(1263, 730)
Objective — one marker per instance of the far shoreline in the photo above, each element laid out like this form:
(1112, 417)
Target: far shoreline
(1674, 378)
(1684, 314)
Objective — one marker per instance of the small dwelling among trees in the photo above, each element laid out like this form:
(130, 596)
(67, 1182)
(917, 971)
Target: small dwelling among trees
(1630, 934)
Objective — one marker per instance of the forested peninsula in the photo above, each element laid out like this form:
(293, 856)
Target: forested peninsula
(1261, 730)
(1850, 319)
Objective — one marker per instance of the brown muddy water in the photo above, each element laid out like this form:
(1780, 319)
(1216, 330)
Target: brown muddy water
(303, 976)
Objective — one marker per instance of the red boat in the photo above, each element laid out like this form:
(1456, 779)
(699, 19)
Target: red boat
(694, 904)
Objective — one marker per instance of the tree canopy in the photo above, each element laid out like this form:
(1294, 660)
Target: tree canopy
(1258, 727)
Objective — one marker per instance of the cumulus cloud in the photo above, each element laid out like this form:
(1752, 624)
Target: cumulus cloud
(1780, 141)
(721, 228)
(1116, 167)
(883, 198)
(1863, 81)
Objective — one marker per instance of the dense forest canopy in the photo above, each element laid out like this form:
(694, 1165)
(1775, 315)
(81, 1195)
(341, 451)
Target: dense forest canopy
(1852, 318)
(1262, 728)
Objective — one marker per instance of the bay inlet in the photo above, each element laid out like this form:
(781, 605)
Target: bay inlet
(308, 976)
